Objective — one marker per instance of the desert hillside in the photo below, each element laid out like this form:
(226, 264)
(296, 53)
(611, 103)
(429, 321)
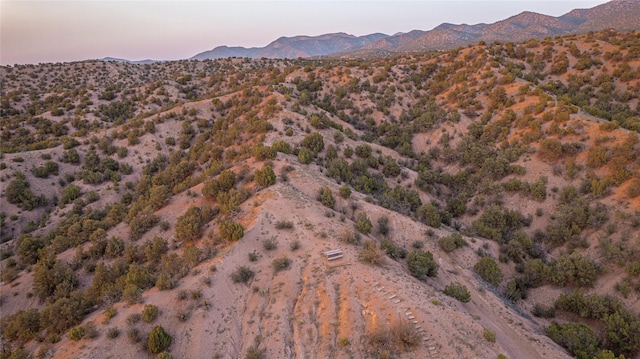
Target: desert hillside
(485, 202)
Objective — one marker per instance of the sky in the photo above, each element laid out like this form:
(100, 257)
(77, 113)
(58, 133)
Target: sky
(61, 31)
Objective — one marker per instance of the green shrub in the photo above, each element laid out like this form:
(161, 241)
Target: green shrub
(165, 282)
(391, 167)
(131, 293)
(573, 269)
(18, 193)
(383, 225)
(422, 265)
(458, 291)
(452, 242)
(224, 183)
(363, 224)
(76, 333)
(149, 313)
(69, 194)
(109, 313)
(71, 156)
(92, 196)
(577, 338)
(489, 335)
(159, 340)
(231, 231)
(305, 156)
(538, 189)
(543, 311)
(326, 197)
(262, 152)
(265, 177)
(392, 250)
(23, 325)
(550, 149)
(189, 225)
(282, 146)
(345, 192)
(28, 247)
(429, 215)
(314, 142)
(364, 150)
(489, 270)
(496, 222)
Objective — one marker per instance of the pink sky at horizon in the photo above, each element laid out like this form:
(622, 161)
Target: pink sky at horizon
(60, 31)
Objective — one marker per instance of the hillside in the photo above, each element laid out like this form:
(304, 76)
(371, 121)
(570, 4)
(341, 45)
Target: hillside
(486, 201)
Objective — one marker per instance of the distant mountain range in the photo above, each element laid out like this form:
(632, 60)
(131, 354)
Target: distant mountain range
(294, 47)
(138, 62)
(622, 15)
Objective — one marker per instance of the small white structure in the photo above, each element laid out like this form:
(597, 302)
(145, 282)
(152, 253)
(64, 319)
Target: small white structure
(334, 254)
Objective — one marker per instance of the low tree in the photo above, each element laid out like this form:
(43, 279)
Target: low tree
(452, 242)
(314, 142)
(429, 215)
(577, 338)
(159, 340)
(265, 177)
(489, 270)
(69, 194)
(422, 265)
(28, 248)
(225, 182)
(52, 278)
(23, 325)
(458, 291)
(326, 197)
(231, 231)
(18, 193)
(189, 225)
(305, 156)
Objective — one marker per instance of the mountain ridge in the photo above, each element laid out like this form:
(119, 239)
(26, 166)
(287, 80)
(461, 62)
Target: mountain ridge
(618, 14)
(621, 15)
(295, 46)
